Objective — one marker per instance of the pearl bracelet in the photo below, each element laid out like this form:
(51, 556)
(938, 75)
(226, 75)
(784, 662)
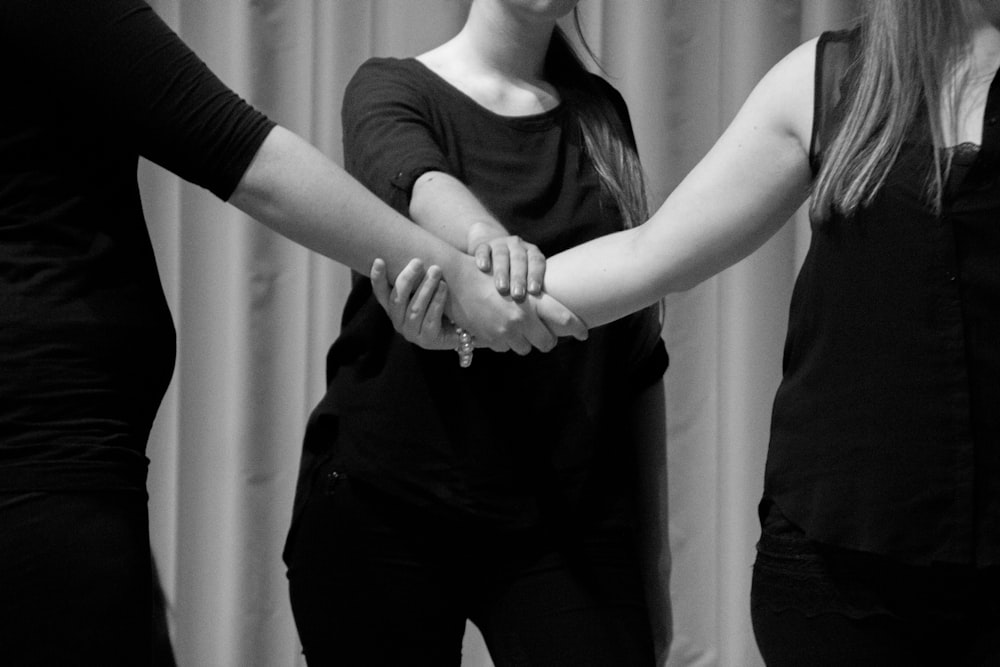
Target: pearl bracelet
(465, 347)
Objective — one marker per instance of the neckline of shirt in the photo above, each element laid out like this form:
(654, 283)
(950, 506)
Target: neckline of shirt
(540, 120)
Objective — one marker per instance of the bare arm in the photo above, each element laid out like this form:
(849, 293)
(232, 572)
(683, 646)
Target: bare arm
(295, 190)
(737, 197)
(444, 206)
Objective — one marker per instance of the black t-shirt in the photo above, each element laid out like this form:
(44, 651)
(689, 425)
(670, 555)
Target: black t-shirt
(510, 438)
(886, 426)
(86, 339)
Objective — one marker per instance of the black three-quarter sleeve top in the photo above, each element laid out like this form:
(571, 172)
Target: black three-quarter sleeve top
(511, 438)
(86, 339)
(886, 426)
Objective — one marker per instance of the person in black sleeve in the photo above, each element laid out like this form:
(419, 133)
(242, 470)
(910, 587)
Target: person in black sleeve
(86, 339)
(434, 489)
(881, 507)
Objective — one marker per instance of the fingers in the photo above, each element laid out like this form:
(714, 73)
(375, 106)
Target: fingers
(431, 325)
(518, 263)
(522, 345)
(536, 270)
(501, 268)
(483, 255)
(416, 310)
(540, 336)
(559, 319)
(407, 281)
(417, 302)
(380, 283)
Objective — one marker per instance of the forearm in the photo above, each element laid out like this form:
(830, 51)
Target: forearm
(445, 207)
(604, 279)
(698, 232)
(740, 194)
(297, 191)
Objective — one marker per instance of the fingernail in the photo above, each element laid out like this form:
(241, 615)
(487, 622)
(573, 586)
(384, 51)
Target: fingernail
(534, 287)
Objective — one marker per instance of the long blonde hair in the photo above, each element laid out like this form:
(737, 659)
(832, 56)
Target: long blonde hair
(909, 48)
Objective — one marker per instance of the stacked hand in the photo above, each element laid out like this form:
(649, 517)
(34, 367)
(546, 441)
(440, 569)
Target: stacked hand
(518, 267)
(508, 312)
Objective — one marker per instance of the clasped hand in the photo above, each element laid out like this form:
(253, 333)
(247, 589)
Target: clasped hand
(498, 298)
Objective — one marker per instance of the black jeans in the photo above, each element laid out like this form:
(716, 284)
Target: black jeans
(374, 582)
(826, 607)
(75, 579)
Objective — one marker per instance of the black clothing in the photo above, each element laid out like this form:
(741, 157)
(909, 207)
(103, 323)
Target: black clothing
(86, 339)
(75, 579)
(375, 581)
(499, 492)
(813, 604)
(885, 433)
(509, 439)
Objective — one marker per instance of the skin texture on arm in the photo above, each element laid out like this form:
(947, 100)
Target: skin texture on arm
(295, 190)
(444, 206)
(737, 197)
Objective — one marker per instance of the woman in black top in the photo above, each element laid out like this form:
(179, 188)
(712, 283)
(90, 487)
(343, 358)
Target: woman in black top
(432, 493)
(881, 509)
(86, 339)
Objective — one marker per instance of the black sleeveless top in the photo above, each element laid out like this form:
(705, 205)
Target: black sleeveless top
(886, 426)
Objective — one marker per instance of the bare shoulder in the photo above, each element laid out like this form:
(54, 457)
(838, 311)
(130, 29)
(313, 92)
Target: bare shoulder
(784, 96)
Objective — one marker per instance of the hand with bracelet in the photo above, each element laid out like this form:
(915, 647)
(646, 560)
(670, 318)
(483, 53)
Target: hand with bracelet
(416, 301)
(517, 267)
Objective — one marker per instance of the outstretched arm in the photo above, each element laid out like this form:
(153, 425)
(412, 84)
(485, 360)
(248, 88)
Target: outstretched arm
(298, 192)
(737, 197)
(294, 189)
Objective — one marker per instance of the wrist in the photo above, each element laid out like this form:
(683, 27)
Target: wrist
(461, 276)
(482, 232)
(458, 270)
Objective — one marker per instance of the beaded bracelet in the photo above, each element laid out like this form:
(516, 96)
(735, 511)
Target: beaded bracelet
(465, 347)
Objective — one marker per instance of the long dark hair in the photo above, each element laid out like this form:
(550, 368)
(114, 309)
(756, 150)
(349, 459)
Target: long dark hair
(605, 137)
(908, 49)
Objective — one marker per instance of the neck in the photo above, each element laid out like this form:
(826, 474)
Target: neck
(499, 39)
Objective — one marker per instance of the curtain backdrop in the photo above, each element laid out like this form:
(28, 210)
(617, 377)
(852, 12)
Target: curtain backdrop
(255, 313)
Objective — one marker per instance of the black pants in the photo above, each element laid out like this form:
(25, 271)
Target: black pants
(75, 579)
(825, 607)
(376, 583)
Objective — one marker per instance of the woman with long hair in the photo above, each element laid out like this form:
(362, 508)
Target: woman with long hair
(881, 507)
(491, 487)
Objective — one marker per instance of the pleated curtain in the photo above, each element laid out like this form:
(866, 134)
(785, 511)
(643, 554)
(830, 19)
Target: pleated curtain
(255, 314)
